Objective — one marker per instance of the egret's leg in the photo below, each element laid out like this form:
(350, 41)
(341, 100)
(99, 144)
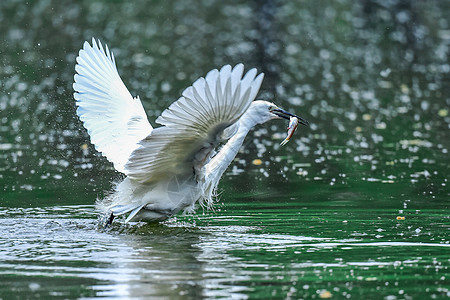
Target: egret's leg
(110, 220)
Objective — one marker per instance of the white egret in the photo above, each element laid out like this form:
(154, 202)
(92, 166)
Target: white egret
(171, 167)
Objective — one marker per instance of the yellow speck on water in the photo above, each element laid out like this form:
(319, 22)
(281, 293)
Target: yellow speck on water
(366, 117)
(325, 294)
(358, 129)
(257, 162)
(443, 112)
(404, 88)
(371, 279)
(400, 218)
(84, 147)
(387, 181)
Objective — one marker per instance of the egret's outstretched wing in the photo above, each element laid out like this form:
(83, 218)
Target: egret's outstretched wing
(114, 119)
(192, 125)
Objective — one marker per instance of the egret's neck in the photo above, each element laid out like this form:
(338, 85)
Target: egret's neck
(217, 166)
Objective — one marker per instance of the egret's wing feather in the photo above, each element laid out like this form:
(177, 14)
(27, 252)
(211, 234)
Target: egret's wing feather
(222, 96)
(115, 121)
(193, 124)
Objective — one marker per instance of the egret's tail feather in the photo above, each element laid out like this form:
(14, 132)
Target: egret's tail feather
(134, 213)
(118, 210)
(120, 201)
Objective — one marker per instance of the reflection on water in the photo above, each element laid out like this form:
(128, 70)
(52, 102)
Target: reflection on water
(209, 256)
(355, 206)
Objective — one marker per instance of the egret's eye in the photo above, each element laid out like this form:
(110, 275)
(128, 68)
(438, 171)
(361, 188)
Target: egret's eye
(271, 108)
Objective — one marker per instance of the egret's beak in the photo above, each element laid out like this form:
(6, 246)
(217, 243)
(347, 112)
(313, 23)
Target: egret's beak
(287, 115)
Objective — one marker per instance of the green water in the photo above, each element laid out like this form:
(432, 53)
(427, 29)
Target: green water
(355, 206)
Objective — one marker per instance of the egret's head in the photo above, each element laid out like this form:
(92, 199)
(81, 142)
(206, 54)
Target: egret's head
(263, 111)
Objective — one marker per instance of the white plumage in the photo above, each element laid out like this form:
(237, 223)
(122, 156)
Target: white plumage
(173, 166)
(114, 119)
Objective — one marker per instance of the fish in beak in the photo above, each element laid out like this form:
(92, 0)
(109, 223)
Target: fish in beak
(294, 120)
(287, 115)
(293, 123)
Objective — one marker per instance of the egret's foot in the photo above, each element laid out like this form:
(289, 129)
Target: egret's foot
(110, 220)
